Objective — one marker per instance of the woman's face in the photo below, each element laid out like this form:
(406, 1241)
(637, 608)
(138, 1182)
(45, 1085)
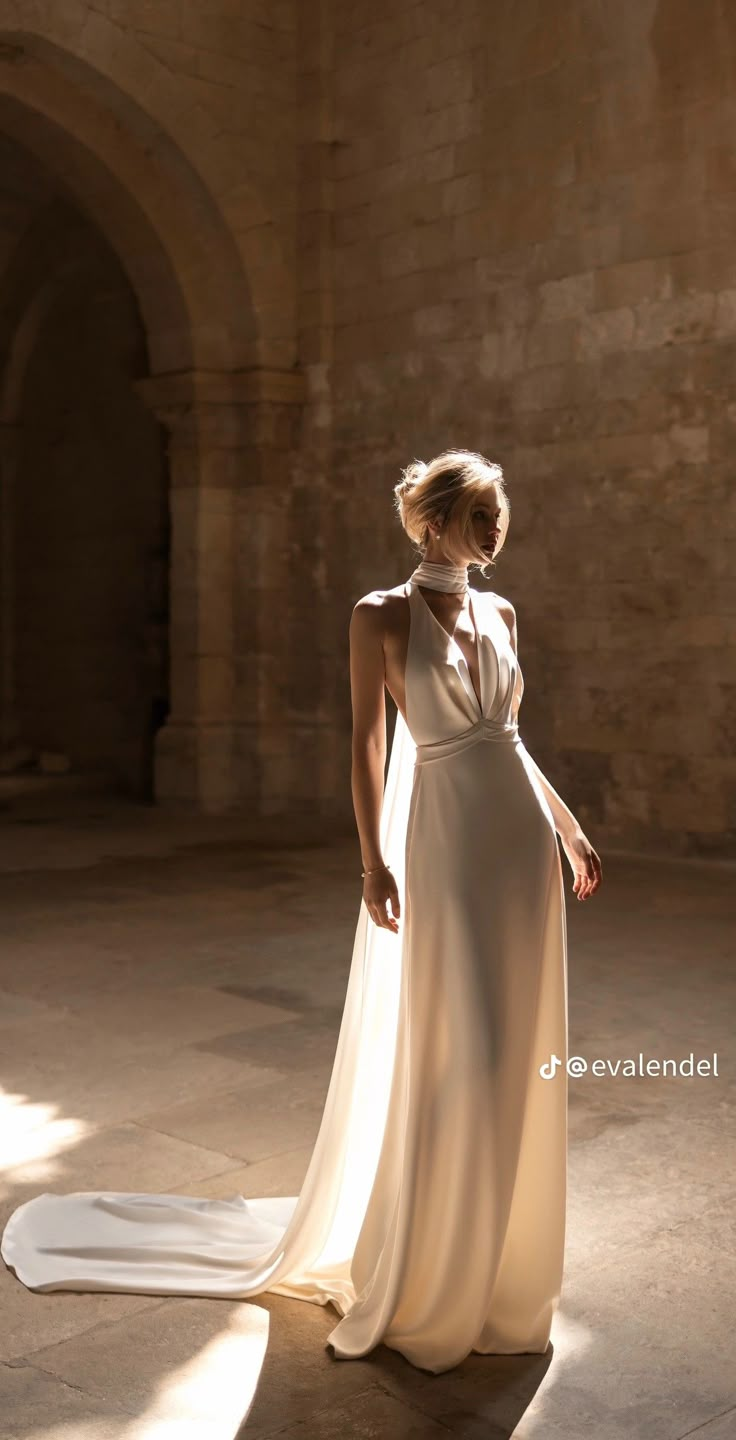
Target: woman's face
(486, 523)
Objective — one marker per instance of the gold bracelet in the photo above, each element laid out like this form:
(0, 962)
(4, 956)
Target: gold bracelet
(374, 871)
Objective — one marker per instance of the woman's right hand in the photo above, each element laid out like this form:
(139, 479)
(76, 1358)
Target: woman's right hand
(378, 889)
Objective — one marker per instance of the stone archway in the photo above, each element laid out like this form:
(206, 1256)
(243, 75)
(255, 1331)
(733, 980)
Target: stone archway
(229, 418)
(84, 526)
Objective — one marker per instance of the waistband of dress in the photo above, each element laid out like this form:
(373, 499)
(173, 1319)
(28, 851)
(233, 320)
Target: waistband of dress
(485, 729)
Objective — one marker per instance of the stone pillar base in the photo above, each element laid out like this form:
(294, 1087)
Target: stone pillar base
(193, 767)
(232, 439)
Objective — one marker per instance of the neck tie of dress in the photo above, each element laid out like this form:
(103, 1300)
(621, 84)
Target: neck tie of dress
(448, 577)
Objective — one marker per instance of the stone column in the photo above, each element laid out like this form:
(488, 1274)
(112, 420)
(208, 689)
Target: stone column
(268, 565)
(230, 437)
(13, 753)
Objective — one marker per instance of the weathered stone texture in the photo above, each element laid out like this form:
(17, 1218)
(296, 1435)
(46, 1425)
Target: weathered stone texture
(507, 227)
(588, 349)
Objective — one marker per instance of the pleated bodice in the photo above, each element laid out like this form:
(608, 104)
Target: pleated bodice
(441, 703)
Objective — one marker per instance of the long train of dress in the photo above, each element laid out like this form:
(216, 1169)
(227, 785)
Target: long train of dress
(432, 1214)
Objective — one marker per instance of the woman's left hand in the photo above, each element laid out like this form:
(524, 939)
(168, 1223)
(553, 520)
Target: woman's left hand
(585, 863)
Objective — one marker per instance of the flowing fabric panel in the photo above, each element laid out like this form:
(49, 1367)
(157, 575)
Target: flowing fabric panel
(297, 1246)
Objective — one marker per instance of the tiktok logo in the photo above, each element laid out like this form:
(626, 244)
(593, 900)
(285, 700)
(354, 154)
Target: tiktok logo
(547, 1072)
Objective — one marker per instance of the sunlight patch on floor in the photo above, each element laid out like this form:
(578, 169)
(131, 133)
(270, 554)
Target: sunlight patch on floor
(571, 1341)
(31, 1134)
(209, 1396)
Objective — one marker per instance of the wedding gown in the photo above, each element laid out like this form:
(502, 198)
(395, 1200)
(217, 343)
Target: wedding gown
(432, 1214)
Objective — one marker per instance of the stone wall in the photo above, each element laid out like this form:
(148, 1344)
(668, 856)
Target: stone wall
(170, 128)
(535, 214)
(361, 232)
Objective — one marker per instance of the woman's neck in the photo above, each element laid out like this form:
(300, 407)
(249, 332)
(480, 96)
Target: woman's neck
(441, 575)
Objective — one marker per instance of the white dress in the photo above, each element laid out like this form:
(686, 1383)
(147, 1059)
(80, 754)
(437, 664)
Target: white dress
(432, 1214)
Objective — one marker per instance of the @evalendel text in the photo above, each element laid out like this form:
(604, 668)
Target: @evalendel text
(577, 1066)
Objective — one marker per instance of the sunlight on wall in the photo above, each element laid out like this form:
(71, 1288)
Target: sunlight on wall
(32, 1134)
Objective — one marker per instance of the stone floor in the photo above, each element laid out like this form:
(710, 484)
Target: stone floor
(170, 996)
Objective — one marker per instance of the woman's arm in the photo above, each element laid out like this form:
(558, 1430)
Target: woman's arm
(367, 679)
(565, 823)
(585, 862)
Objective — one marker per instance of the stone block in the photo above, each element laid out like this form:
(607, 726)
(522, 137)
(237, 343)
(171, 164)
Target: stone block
(502, 353)
(681, 445)
(602, 332)
(618, 286)
(282, 1174)
(400, 210)
(549, 387)
(448, 83)
(725, 314)
(421, 248)
(567, 298)
(600, 245)
(249, 1124)
(711, 268)
(681, 319)
(665, 231)
(34, 1402)
(551, 342)
(435, 321)
(461, 194)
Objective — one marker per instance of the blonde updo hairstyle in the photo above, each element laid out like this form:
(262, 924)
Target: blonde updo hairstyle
(447, 490)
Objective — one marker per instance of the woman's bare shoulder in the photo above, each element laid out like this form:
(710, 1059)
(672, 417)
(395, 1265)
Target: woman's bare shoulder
(379, 608)
(501, 602)
(504, 607)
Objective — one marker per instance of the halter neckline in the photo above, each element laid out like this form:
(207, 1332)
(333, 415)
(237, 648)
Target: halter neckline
(448, 577)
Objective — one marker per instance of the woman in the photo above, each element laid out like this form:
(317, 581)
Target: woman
(432, 1214)
(481, 1140)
